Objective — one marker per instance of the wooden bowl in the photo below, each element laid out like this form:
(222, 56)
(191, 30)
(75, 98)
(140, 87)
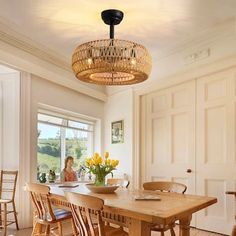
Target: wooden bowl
(102, 189)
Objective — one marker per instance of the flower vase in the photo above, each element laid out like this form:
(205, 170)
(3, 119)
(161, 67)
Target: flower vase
(100, 180)
(42, 178)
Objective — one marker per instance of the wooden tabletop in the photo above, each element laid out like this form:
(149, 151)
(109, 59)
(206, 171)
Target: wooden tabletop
(171, 206)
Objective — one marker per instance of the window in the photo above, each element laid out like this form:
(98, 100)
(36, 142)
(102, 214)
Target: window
(59, 137)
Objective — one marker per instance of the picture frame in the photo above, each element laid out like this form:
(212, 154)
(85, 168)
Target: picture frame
(117, 132)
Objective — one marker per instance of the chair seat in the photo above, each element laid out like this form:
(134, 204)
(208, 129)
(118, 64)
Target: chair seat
(60, 215)
(5, 200)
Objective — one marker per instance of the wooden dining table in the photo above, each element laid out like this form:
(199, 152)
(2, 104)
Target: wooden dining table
(139, 217)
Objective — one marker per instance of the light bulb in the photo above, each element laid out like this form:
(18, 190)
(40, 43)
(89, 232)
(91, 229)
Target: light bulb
(90, 61)
(133, 61)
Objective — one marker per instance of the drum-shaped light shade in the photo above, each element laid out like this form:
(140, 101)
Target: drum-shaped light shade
(111, 62)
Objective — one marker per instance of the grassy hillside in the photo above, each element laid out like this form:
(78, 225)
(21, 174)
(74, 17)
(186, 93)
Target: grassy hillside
(46, 162)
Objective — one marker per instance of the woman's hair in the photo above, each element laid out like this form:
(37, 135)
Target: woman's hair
(68, 159)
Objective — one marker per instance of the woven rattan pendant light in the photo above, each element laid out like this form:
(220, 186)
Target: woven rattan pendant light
(111, 61)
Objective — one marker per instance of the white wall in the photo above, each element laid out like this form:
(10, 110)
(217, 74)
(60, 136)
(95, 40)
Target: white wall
(10, 93)
(120, 107)
(45, 92)
(9, 122)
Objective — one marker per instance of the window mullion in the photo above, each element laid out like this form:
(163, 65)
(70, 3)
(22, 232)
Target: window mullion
(63, 146)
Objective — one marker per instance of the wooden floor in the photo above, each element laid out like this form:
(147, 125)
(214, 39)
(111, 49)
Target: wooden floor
(27, 232)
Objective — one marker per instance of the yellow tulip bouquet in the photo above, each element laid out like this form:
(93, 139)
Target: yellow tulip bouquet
(101, 167)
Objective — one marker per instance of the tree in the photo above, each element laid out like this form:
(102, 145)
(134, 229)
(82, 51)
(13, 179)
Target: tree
(78, 152)
(50, 150)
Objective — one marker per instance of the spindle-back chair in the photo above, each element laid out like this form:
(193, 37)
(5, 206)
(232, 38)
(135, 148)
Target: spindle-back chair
(8, 181)
(165, 187)
(44, 212)
(87, 215)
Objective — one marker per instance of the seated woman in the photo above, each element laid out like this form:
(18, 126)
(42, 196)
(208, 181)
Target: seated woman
(68, 174)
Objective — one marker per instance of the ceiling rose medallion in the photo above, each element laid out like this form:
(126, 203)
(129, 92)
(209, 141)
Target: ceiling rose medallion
(111, 61)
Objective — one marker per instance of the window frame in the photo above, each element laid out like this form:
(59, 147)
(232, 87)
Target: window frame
(65, 121)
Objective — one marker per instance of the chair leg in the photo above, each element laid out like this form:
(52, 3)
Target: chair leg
(5, 220)
(0, 215)
(172, 232)
(47, 230)
(15, 215)
(73, 228)
(36, 229)
(59, 229)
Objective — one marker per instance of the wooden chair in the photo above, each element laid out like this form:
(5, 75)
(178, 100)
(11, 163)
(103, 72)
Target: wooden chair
(165, 187)
(87, 215)
(121, 182)
(8, 180)
(234, 228)
(45, 214)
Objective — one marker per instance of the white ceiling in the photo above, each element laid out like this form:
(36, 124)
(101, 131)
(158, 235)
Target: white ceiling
(158, 24)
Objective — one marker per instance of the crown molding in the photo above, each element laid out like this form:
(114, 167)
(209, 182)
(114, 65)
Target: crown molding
(222, 30)
(17, 40)
(21, 53)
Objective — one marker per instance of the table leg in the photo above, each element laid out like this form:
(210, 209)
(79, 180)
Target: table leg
(234, 231)
(184, 226)
(139, 228)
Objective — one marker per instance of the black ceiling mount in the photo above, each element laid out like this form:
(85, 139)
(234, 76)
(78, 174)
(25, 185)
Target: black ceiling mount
(112, 17)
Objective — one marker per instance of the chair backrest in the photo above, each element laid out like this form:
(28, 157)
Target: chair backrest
(8, 180)
(86, 211)
(41, 201)
(165, 187)
(121, 182)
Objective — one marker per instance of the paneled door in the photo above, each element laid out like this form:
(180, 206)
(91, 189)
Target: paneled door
(215, 146)
(168, 135)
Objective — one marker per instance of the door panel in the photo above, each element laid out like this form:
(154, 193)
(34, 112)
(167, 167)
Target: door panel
(215, 156)
(180, 128)
(160, 141)
(169, 135)
(215, 134)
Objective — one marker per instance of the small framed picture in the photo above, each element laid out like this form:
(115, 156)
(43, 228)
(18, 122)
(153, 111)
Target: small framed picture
(117, 132)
